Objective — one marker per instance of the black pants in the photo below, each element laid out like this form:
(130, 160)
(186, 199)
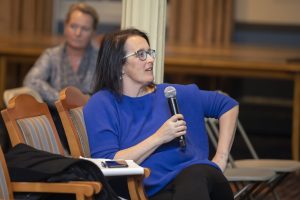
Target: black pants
(197, 182)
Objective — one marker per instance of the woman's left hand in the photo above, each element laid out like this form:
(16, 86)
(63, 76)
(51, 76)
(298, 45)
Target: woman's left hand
(221, 161)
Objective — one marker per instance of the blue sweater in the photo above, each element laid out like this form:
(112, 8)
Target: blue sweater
(113, 125)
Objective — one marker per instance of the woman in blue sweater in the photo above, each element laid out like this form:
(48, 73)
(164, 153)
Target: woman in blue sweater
(128, 117)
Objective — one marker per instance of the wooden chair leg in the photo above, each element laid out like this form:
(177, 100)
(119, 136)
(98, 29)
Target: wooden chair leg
(136, 188)
(132, 187)
(140, 187)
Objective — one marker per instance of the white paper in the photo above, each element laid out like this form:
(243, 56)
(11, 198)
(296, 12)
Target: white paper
(132, 169)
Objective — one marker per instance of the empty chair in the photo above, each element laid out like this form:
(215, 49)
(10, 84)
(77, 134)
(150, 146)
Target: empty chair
(282, 167)
(82, 190)
(248, 182)
(29, 121)
(69, 106)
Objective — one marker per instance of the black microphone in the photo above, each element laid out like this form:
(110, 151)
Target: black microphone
(170, 94)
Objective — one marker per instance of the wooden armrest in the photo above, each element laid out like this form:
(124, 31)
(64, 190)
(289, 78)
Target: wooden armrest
(96, 185)
(77, 188)
(136, 187)
(147, 172)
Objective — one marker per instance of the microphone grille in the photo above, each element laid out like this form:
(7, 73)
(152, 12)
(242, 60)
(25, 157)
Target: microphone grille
(170, 92)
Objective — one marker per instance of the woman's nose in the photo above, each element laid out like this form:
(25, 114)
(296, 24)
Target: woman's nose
(78, 31)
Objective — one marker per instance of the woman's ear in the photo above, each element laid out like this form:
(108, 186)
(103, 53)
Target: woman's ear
(123, 69)
(121, 77)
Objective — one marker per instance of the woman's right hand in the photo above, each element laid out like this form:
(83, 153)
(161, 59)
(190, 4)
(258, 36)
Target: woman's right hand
(172, 128)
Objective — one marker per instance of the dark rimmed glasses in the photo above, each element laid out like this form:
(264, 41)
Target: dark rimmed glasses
(142, 54)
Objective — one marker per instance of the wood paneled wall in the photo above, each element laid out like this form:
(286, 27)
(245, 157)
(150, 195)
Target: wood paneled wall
(200, 22)
(30, 16)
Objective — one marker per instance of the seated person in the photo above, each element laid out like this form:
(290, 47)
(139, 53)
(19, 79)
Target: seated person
(72, 63)
(128, 117)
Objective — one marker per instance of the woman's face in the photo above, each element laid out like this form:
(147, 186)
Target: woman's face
(137, 73)
(79, 30)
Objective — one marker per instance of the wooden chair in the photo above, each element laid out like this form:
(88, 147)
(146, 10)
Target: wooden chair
(29, 121)
(82, 190)
(69, 106)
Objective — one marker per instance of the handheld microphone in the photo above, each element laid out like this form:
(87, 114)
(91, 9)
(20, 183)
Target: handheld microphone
(170, 94)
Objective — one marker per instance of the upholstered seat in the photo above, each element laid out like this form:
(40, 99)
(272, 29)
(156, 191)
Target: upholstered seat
(37, 132)
(76, 115)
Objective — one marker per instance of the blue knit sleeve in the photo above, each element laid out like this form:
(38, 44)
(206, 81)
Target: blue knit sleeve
(102, 128)
(215, 104)
(209, 103)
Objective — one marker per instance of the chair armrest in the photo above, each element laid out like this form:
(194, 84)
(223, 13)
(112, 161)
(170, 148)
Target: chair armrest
(96, 185)
(74, 187)
(147, 172)
(136, 186)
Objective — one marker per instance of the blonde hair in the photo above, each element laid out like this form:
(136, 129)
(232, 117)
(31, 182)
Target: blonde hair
(86, 9)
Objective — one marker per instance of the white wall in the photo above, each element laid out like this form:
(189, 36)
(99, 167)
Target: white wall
(278, 12)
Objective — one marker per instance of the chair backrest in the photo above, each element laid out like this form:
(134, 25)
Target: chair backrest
(214, 138)
(213, 125)
(69, 106)
(5, 184)
(10, 93)
(29, 121)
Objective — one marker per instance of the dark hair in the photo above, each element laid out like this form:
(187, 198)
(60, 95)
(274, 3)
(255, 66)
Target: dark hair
(111, 60)
(86, 9)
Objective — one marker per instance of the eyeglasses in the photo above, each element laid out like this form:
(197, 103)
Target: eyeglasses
(142, 54)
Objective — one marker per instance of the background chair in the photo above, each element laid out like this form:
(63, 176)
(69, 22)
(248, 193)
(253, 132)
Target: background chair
(282, 167)
(247, 183)
(29, 121)
(10, 93)
(82, 190)
(7, 95)
(69, 106)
